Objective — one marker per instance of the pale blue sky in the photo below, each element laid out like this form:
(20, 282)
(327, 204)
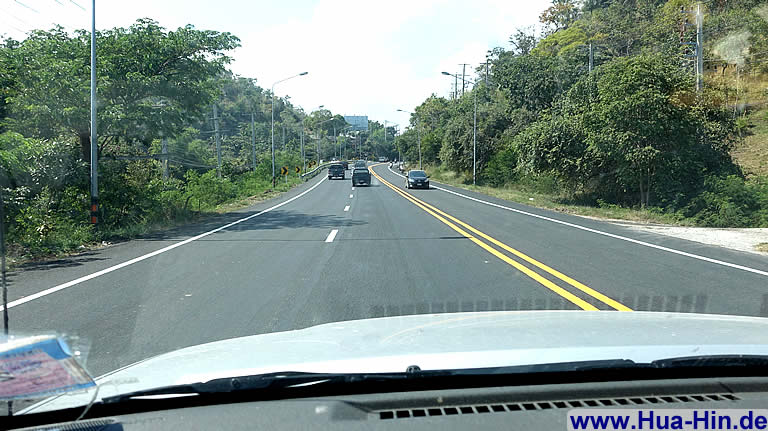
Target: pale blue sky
(363, 58)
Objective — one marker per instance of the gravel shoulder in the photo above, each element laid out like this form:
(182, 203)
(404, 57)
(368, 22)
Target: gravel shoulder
(751, 240)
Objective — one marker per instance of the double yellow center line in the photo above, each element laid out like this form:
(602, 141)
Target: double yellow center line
(464, 230)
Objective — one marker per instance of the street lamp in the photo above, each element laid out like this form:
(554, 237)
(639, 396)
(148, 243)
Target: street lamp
(418, 130)
(474, 131)
(303, 158)
(273, 119)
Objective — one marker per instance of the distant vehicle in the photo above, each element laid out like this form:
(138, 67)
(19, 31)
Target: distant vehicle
(416, 179)
(382, 159)
(336, 170)
(345, 164)
(360, 164)
(361, 176)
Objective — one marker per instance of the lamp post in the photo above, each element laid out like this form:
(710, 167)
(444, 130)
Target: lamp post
(273, 119)
(418, 130)
(474, 131)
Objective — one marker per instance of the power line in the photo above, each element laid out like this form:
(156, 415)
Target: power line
(28, 7)
(18, 19)
(76, 4)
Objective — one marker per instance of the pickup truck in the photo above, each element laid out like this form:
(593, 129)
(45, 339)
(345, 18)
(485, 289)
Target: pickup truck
(361, 176)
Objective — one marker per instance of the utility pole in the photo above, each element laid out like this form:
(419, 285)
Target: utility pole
(253, 141)
(303, 160)
(455, 87)
(591, 57)
(486, 69)
(165, 158)
(463, 81)
(94, 135)
(2, 265)
(218, 141)
(699, 47)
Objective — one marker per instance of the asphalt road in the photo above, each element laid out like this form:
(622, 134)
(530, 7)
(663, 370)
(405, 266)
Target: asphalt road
(326, 252)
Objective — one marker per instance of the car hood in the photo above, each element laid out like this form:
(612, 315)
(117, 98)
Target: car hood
(441, 341)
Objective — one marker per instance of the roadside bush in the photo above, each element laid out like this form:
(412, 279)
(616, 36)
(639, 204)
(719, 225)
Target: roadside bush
(730, 202)
(209, 190)
(502, 168)
(46, 225)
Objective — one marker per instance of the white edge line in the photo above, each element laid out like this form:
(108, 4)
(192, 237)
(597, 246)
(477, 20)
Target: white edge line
(148, 255)
(332, 235)
(599, 232)
(351, 196)
(346, 208)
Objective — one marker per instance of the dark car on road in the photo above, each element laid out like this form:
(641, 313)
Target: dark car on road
(345, 164)
(336, 170)
(416, 179)
(361, 177)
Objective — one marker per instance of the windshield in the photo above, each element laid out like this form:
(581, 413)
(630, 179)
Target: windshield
(583, 156)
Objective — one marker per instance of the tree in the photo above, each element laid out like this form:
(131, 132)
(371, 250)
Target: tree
(141, 97)
(533, 81)
(560, 15)
(523, 41)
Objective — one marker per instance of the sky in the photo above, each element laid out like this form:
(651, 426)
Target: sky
(363, 57)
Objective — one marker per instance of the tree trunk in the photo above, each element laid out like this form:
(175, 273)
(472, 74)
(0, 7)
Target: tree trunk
(85, 146)
(642, 193)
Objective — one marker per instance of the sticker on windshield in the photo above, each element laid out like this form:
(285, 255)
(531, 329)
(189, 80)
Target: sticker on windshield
(38, 366)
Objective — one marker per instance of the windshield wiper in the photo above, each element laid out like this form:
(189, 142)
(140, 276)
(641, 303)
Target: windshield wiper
(714, 361)
(271, 381)
(298, 384)
(286, 381)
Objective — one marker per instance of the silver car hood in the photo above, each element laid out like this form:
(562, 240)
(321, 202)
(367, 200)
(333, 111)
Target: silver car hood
(441, 341)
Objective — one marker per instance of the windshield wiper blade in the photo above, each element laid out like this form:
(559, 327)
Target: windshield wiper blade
(297, 380)
(716, 361)
(290, 381)
(272, 381)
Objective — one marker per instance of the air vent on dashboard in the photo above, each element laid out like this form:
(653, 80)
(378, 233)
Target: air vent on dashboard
(546, 405)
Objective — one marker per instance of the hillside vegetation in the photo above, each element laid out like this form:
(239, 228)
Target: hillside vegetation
(632, 133)
(153, 84)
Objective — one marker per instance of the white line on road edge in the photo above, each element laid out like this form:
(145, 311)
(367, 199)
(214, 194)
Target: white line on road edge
(350, 196)
(332, 235)
(353, 188)
(346, 208)
(148, 255)
(599, 232)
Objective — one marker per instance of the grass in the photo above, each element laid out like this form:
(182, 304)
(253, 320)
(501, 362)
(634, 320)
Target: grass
(763, 246)
(17, 255)
(533, 195)
(752, 153)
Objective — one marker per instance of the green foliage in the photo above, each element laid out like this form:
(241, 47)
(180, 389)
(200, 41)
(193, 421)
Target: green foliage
(51, 223)
(142, 96)
(502, 168)
(731, 202)
(563, 41)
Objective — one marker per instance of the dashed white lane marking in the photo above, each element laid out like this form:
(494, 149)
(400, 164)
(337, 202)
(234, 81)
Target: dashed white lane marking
(74, 282)
(332, 235)
(346, 208)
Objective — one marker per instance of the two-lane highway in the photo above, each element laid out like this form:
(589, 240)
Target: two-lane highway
(328, 252)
